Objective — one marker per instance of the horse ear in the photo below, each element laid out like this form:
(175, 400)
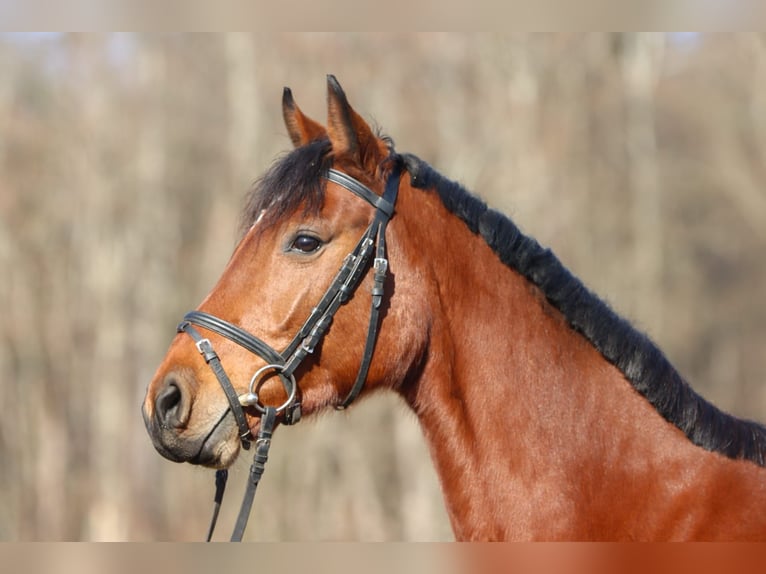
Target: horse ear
(301, 128)
(349, 133)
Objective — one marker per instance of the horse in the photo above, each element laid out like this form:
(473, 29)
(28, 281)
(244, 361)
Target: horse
(547, 415)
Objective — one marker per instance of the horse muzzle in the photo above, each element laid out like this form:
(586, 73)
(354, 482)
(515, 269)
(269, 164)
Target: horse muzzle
(167, 416)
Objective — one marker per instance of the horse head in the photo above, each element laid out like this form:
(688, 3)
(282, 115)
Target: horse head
(296, 313)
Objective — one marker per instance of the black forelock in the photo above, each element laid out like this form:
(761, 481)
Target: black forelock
(294, 180)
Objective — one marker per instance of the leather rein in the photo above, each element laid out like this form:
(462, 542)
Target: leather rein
(284, 364)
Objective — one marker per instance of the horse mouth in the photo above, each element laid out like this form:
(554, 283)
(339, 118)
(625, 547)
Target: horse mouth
(219, 449)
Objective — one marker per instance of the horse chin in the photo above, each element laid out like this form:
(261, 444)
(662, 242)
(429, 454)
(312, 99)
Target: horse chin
(222, 446)
(221, 455)
(220, 449)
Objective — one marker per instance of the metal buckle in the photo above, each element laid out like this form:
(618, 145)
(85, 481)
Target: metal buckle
(380, 265)
(199, 344)
(309, 348)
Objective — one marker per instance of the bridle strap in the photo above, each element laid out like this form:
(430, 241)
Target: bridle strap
(343, 285)
(262, 445)
(347, 279)
(221, 476)
(234, 333)
(382, 203)
(380, 271)
(211, 358)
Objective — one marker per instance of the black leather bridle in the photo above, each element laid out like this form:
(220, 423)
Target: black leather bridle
(284, 364)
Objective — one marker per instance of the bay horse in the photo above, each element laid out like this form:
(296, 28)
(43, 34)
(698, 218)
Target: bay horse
(548, 416)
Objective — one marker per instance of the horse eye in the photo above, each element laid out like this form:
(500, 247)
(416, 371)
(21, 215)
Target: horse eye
(306, 244)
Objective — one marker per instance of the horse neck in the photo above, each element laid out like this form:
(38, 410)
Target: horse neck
(527, 423)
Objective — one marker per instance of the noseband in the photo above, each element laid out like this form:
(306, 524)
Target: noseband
(284, 363)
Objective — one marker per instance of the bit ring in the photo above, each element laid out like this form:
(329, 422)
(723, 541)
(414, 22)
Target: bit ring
(251, 399)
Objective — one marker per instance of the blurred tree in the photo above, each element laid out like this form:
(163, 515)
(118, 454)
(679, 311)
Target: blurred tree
(641, 60)
(123, 161)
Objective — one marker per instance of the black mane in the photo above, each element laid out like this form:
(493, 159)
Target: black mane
(632, 352)
(296, 180)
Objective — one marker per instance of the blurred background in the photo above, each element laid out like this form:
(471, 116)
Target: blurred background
(124, 159)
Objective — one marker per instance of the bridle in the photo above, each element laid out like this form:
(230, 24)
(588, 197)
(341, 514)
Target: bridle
(284, 363)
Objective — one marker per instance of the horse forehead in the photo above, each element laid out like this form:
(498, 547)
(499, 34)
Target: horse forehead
(340, 208)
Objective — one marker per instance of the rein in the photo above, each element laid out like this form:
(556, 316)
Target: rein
(284, 364)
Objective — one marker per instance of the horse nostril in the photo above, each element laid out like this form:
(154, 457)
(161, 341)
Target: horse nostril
(170, 406)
